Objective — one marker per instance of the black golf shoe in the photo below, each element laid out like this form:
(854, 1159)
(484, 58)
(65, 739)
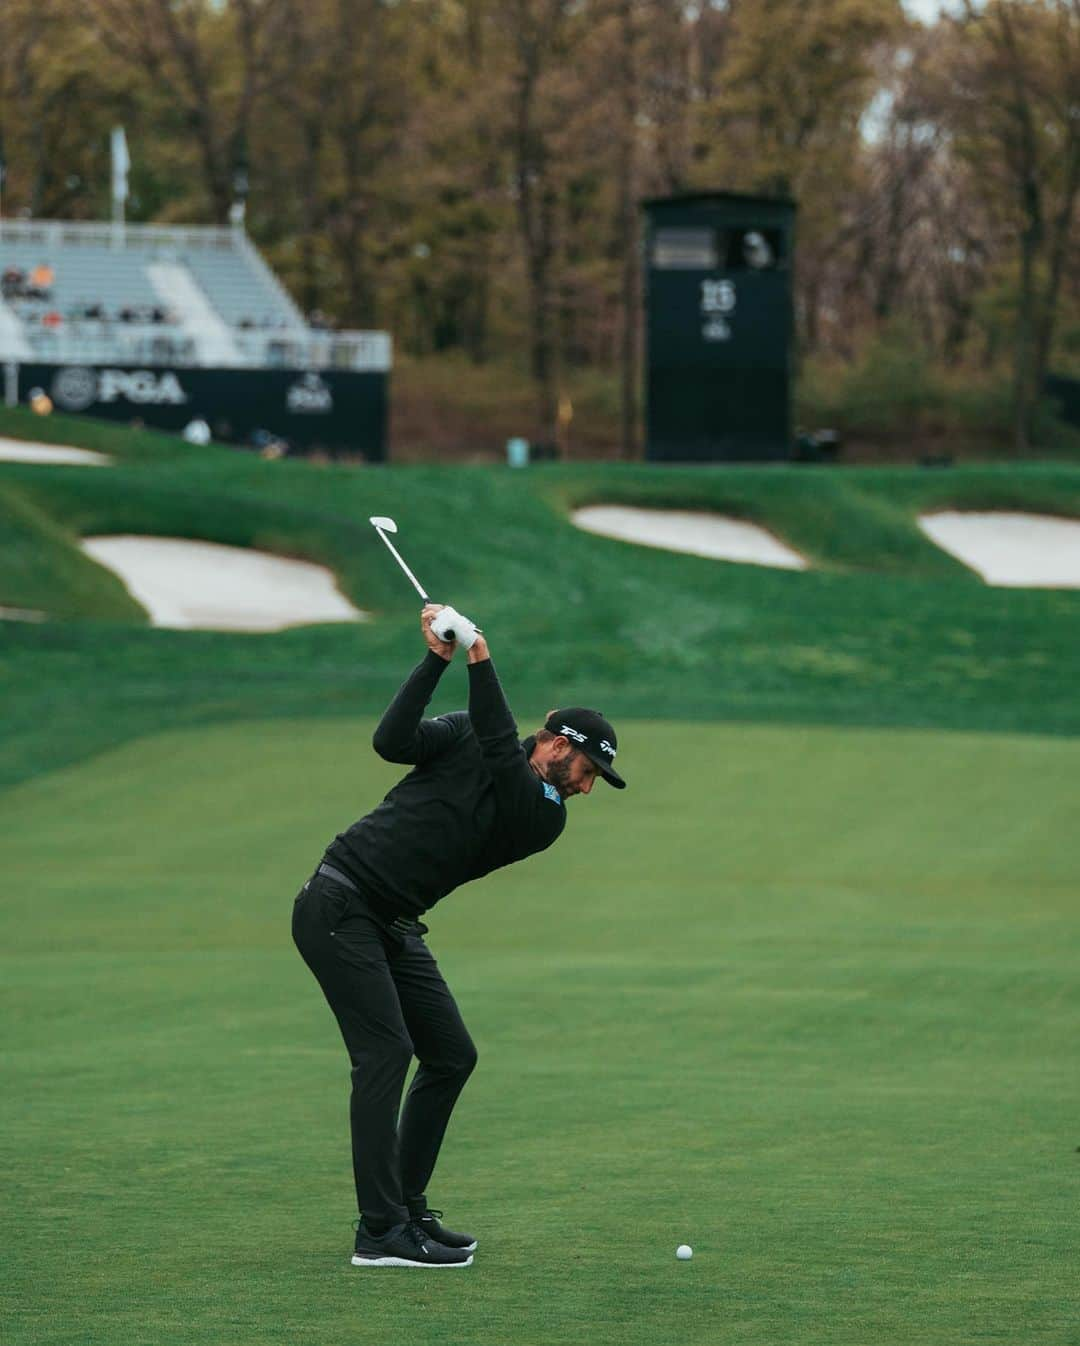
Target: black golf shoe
(406, 1245)
(428, 1220)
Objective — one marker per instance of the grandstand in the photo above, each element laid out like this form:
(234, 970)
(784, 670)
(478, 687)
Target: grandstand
(175, 323)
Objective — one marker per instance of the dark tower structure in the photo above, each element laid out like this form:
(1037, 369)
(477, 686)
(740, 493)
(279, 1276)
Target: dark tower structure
(719, 327)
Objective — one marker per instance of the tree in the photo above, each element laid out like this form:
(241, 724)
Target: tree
(1013, 95)
(786, 119)
(291, 141)
(628, 178)
(210, 61)
(458, 216)
(539, 43)
(56, 107)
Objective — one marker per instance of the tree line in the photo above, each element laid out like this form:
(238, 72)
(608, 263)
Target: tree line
(468, 173)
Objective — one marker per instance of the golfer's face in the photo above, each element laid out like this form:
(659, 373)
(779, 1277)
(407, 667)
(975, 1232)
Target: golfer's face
(580, 774)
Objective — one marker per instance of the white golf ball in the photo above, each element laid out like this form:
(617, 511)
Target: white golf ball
(684, 1252)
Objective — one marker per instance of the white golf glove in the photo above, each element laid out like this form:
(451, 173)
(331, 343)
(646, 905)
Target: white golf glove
(451, 625)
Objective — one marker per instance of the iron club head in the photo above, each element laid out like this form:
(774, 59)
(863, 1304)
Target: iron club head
(382, 526)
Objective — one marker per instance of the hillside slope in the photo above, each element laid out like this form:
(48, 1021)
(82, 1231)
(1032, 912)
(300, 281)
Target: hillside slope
(884, 630)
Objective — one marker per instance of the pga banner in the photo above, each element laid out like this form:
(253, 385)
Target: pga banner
(337, 410)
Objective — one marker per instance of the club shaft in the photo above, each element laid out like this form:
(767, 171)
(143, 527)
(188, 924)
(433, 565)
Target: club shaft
(398, 558)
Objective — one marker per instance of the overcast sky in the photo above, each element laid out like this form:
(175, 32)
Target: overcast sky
(927, 9)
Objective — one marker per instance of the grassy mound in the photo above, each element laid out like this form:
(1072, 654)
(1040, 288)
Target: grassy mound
(885, 630)
(108, 437)
(42, 567)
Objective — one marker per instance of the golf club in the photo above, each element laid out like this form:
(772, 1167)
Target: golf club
(384, 525)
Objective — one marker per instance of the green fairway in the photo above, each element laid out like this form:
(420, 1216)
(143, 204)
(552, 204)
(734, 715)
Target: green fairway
(804, 998)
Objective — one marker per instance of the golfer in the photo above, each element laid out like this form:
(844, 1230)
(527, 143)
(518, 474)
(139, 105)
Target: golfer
(476, 799)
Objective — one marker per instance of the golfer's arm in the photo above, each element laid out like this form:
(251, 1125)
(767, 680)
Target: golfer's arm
(403, 735)
(492, 721)
(535, 818)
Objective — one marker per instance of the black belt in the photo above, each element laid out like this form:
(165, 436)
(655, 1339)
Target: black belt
(337, 876)
(399, 925)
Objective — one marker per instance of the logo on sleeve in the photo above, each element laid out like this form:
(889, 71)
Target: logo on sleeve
(551, 793)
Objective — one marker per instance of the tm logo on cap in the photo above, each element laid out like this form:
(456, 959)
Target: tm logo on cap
(605, 746)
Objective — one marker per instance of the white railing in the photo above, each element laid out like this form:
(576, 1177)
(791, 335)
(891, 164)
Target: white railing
(287, 349)
(90, 343)
(101, 234)
(157, 344)
(12, 340)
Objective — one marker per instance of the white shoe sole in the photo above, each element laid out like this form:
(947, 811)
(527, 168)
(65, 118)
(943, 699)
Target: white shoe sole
(404, 1262)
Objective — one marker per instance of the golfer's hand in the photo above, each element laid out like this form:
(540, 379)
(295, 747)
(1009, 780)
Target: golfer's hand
(478, 651)
(443, 648)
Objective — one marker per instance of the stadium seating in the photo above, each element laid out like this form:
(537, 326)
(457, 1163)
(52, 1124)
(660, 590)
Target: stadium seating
(143, 293)
(239, 294)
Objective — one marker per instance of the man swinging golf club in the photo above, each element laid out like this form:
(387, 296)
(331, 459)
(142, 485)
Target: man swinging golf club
(476, 799)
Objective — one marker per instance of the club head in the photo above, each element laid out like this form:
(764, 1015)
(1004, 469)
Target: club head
(386, 525)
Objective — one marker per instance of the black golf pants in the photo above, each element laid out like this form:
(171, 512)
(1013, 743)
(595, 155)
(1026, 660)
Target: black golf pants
(391, 1003)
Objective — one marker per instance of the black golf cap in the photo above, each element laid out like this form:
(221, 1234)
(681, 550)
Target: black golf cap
(591, 734)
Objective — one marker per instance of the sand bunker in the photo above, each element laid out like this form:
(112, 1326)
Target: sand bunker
(204, 586)
(22, 451)
(711, 535)
(1018, 551)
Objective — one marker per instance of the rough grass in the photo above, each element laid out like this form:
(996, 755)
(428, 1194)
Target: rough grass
(42, 567)
(885, 630)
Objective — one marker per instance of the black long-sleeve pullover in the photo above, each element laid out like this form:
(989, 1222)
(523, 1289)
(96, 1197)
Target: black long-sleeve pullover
(471, 804)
